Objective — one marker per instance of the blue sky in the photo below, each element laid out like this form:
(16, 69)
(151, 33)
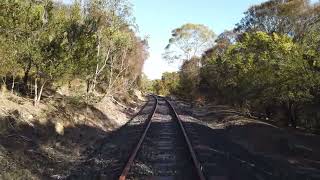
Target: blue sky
(156, 19)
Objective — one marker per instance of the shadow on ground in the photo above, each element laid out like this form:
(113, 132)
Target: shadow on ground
(250, 149)
(222, 156)
(87, 152)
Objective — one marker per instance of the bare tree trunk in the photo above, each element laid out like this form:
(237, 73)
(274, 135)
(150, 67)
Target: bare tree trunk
(37, 92)
(12, 85)
(111, 75)
(35, 102)
(95, 76)
(122, 69)
(94, 80)
(40, 92)
(31, 88)
(92, 83)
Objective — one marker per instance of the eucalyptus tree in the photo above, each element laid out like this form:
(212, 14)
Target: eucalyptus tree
(47, 42)
(109, 41)
(186, 45)
(290, 17)
(188, 41)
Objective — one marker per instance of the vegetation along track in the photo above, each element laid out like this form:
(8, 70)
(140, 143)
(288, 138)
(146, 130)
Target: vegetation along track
(164, 150)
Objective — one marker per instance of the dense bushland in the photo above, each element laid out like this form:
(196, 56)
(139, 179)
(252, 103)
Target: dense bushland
(269, 64)
(45, 44)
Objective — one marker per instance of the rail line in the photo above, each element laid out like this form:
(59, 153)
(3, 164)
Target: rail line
(164, 148)
(136, 149)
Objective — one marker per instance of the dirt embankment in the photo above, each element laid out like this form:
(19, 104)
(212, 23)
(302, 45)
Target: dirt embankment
(47, 141)
(285, 150)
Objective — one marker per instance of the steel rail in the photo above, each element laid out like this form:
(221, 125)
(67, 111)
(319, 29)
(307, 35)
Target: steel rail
(126, 124)
(193, 155)
(133, 155)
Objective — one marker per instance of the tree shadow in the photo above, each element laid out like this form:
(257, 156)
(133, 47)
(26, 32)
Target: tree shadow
(88, 152)
(222, 156)
(46, 153)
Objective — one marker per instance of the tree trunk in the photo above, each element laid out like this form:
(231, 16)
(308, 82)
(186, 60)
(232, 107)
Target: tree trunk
(93, 83)
(35, 100)
(4, 85)
(31, 88)
(12, 85)
(291, 114)
(40, 92)
(26, 77)
(90, 86)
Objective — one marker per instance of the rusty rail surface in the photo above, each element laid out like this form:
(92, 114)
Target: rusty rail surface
(193, 155)
(127, 167)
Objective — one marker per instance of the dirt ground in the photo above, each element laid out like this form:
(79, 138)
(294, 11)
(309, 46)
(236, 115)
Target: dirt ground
(47, 142)
(64, 138)
(283, 153)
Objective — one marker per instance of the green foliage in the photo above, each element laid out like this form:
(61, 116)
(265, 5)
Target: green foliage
(189, 78)
(47, 42)
(262, 70)
(169, 84)
(266, 66)
(188, 41)
(144, 84)
(269, 63)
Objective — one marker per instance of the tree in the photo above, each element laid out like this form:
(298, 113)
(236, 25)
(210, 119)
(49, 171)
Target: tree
(51, 42)
(171, 81)
(264, 70)
(111, 46)
(289, 17)
(168, 84)
(223, 41)
(144, 84)
(190, 78)
(52, 62)
(17, 21)
(187, 41)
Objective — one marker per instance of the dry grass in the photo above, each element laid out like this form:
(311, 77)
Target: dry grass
(49, 140)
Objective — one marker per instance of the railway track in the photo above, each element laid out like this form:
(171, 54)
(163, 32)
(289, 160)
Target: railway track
(164, 150)
(106, 159)
(158, 144)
